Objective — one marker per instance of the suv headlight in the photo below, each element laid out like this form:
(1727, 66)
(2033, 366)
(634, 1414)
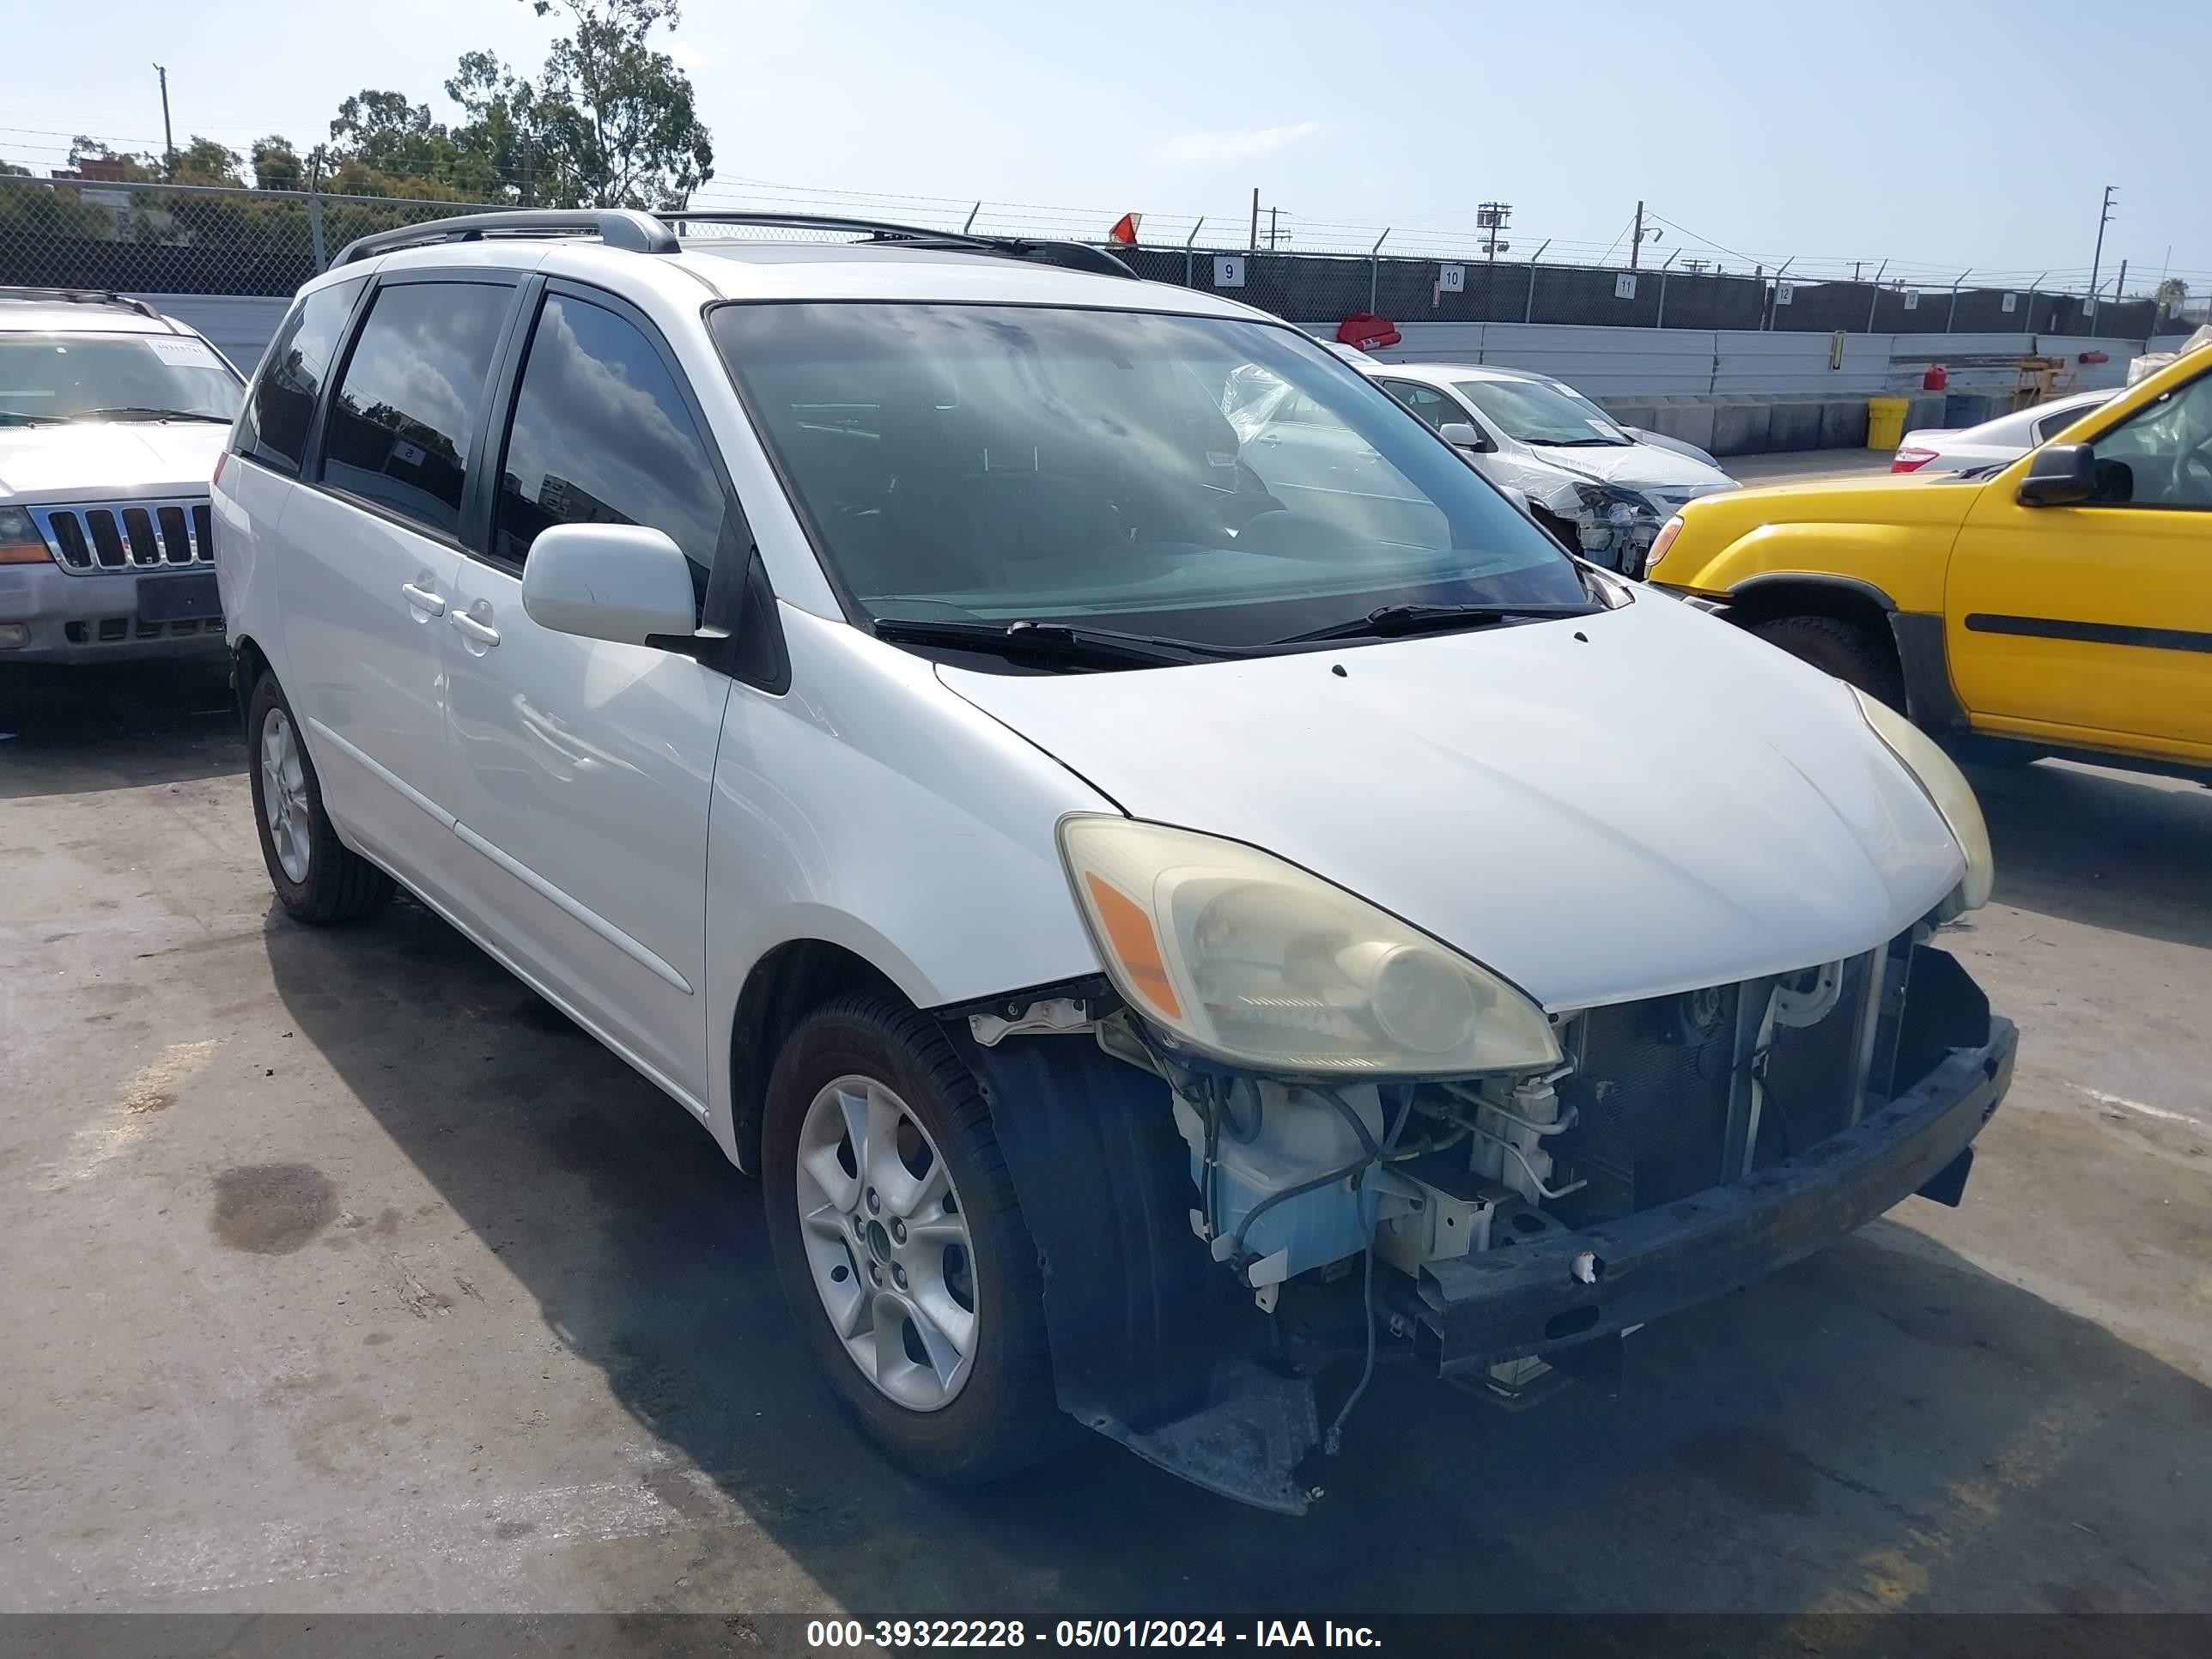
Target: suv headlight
(1242, 956)
(1947, 786)
(20, 541)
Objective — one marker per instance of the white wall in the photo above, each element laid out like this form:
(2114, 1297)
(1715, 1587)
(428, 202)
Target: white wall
(1646, 362)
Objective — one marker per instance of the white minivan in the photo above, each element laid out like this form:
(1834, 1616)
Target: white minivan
(1165, 923)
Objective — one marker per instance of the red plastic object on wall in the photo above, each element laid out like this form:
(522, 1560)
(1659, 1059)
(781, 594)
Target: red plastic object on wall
(1935, 378)
(1364, 331)
(2096, 357)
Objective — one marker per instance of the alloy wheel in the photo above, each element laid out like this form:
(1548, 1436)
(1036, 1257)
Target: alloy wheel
(284, 796)
(887, 1243)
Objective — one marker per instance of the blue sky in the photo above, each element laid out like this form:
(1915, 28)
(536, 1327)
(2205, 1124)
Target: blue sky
(1970, 134)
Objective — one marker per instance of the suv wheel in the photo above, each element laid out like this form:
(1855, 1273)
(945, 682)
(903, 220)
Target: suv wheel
(1841, 648)
(317, 876)
(901, 1245)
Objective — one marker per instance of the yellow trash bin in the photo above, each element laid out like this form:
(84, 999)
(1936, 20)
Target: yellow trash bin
(1886, 420)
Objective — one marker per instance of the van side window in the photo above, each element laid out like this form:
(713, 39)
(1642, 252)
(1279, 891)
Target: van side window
(407, 405)
(601, 436)
(275, 428)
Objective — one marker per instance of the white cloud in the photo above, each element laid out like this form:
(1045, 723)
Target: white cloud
(687, 56)
(1206, 149)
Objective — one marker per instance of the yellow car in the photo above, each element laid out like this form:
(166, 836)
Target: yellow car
(2057, 605)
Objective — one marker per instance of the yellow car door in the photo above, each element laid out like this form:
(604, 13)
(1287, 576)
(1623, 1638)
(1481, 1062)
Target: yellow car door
(2086, 621)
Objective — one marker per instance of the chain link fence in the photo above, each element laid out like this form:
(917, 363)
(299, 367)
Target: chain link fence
(185, 238)
(164, 238)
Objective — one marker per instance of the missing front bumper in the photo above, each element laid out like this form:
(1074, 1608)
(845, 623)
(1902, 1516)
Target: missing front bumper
(1530, 1300)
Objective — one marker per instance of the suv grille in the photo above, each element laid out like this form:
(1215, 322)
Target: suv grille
(129, 535)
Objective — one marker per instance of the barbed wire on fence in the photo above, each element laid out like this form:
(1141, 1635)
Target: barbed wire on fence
(150, 237)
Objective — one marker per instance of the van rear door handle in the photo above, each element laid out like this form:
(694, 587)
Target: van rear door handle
(423, 599)
(482, 633)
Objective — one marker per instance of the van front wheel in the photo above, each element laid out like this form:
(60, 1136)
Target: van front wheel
(901, 1244)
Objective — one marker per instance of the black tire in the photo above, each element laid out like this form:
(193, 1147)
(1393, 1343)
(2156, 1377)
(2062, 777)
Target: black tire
(1845, 649)
(1005, 1417)
(339, 884)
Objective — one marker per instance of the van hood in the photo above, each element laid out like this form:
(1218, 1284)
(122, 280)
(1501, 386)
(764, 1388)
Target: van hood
(1601, 809)
(108, 460)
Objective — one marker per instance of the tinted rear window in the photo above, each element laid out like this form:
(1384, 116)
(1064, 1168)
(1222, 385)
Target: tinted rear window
(274, 426)
(407, 408)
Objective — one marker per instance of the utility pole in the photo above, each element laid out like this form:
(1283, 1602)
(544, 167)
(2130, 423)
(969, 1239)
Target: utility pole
(1492, 217)
(1272, 213)
(2104, 218)
(529, 171)
(169, 142)
(1635, 245)
(1253, 246)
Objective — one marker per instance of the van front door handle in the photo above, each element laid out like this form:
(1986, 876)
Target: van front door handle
(482, 633)
(423, 599)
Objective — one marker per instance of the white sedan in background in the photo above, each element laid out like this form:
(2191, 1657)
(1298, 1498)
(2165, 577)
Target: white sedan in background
(2005, 438)
(1601, 488)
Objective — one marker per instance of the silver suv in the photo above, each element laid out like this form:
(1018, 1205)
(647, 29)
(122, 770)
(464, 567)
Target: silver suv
(111, 419)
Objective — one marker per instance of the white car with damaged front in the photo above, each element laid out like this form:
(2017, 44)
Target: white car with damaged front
(1147, 902)
(1603, 489)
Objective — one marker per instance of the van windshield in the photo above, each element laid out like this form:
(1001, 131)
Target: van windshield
(1216, 481)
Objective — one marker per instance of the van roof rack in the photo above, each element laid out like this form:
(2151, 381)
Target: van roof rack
(645, 233)
(1074, 256)
(622, 227)
(80, 296)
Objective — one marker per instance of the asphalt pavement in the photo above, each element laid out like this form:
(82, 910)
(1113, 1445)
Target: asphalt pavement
(342, 1274)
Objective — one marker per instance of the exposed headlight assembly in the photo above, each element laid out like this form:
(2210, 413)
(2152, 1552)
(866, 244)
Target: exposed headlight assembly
(1612, 525)
(1953, 797)
(1236, 955)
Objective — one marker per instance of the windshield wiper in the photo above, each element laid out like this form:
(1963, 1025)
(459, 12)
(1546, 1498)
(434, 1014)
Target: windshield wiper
(1049, 642)
(137, 412)
(21, 417)
(1577, 443)
(1386, 622)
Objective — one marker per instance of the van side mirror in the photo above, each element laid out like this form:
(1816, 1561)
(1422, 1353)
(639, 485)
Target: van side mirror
(1462, 435)
(620, 582)
(2059, 476)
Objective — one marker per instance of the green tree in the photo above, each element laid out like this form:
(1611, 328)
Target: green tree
(203, 161)
(619, 117)
(276, 165)
(141, 169)
(384, 133)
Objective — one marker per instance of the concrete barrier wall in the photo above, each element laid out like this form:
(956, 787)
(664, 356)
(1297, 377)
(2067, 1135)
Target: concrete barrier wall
(1639, 362)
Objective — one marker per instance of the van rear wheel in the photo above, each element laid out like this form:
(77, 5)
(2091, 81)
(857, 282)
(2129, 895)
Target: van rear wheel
(901, 1246)
(318, 878)
(1845, 649)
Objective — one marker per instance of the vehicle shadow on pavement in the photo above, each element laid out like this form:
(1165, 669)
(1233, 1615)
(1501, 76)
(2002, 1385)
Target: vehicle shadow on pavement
(79, 730)
(1884, 1426)
(2104, 848)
